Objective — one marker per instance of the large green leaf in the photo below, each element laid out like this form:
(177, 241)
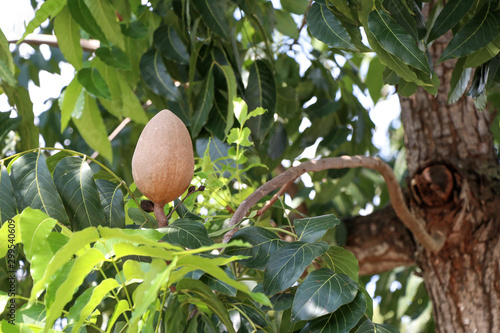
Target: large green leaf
(7, 198)
(228, 117)
(313, 228)
(34, 187)
(44, 255)
(91, 127)
(452, 13)
(168, 42)
(261, 92)
(285, 24)
(213, 14)
(204, 102)
(71, 102)
(5, 54)
(49, 8)
(187, 233)
(342, 261)
(407, 19)
(6, 75)
(295, 6)
(75, 183)
(395, 40)
(342, 320)
(369, 327)
(67, 32)
(218, 285)
(264, 244)
(113, 56)
(93, 82)
(35, 228)
(105, 16)
(155, 75)
(483, 28)
(328, 28)
(81, 13)
(322, 292)
(288, 263)
(112, 203)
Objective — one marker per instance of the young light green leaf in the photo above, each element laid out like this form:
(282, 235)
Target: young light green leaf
(459, 81)
(155, 75)
(67, 32)
(482, 29)
(322, 292)
(342, 261)
(34, 187)
(187, 233)
(5, 239)
(41, 258)
(119, 309)
(5, 54)
(105, 16)
(313, 228)
(288, 263)
(204, 102)
(396, 40)
(328, 28)
(8, 200)
(35, 227)
(75, 184)
(452, 13)
(264, 244)
(112, 203)
(168, 42)
(213, 14)
(126, 249)
(49, 8)
(82, 15)
(93, 82)
(71, 102)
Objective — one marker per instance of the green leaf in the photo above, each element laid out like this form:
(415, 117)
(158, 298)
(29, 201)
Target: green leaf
(105, 16)
(369, 327)
(187, 233)
(396, 40)
(113, 56)
(214, 16)
(5, 241)
(295, 6)
(67, 32)
(82, 15)
(155, 75)
(218, 285)
(41, 258)
(313, 228)
(342, 320)
(404, 17)
(5, 54)
(374, 79)
(288, 263)
(6, 75)
(453, 12)
(204, 102)
(88, 301)
(322, 292)
(75, 183)
(342, 261)
(119, 309)
(328, 28)
(91, 127)
(7, 198)
(261, 92)
(264, 244)
(81, 267)
(231, 94)
(459, 81)
(49, 8)
(7, 124)
(482, 55)
(322, 108)
(71, 102)
(482, 29)
(112, 203)
(93, 82)
(285, 24)
(35, 228)
(406, 89)
(34, 187)
(168, 42)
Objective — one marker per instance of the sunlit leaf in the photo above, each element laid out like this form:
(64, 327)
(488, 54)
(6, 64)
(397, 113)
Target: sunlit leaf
(105, 16)
(459, 81)
(49, 8)
(452, 13)
(342, 261)
(81, 13)
(6, 75)
(71, 102)
(7, 198)
(5, 54)
(218, 285)
(67, 32)
(112, 203)
(93, 82)
(35, 227)
(34, 187)
(313, 228)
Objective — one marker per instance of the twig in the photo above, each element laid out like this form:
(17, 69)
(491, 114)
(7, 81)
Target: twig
(113, 135)
(190, 191)
(304, 21)
(432, 242)
(271, 202)
(89, 45)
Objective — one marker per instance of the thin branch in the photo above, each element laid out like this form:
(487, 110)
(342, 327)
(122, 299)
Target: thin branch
(89, 45)
(113, 135)
(431, 242)
(271, 202)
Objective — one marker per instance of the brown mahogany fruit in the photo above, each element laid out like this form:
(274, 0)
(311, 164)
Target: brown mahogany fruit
(163, 161)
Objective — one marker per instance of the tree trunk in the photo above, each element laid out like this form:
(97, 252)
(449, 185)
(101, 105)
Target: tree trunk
(454, 182)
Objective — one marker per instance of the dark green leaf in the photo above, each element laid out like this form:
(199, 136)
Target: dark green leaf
(112, 203)
(75, 183)
(323, 107)
(288, 263)
(187, 233)
(285, 24)
(105, 16)
(214, 16)
(7, 124)
(204, 102)
(327, 27)
(342, 261)
(81, 13)
(93, 82)
(278, 142)
(113, 56)
(322, 292)
(264, 243)
(407, 19)
(342, 320)
(482, 55)
(33, 186)
(168, 42)
(218, 285)
(406, 89)
(452, 13)
(261, 92)
(313, 228)
(298, 7)
(67, 32)
(459, 81)
(483, 28)
(7, 198)
(396, 40)
(281, 302)
(228, 117)
(155, 75)
(135, 30)
(255, 315)
(369, 327)
(49, 8)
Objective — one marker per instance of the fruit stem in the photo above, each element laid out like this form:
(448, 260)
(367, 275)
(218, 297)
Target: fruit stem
(160, 215)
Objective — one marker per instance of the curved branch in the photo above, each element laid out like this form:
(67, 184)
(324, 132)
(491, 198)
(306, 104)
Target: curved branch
(89, 45)
(431, 242)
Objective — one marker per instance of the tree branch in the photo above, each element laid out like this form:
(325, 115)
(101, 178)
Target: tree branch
(89, 45)
(417, 227)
